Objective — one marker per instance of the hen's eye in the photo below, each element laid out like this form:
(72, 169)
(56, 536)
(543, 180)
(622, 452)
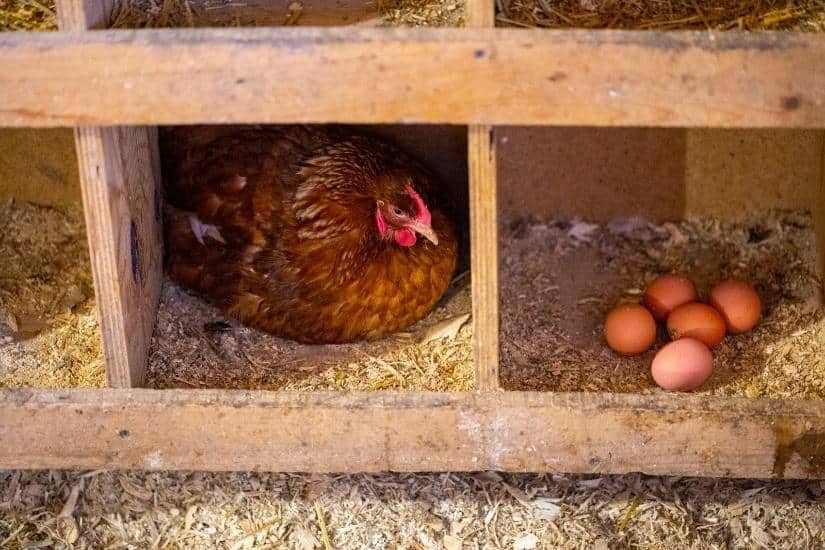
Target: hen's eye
(397, 211)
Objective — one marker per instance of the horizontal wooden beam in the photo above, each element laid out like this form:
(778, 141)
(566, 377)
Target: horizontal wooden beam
(345, 432)
(462, 76)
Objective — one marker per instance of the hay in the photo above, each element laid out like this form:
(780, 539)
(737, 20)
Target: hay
(194, 346)
(49, 330)
(486, 510)
(663, 15)
(27, 15)
(131, 14)
(423, 13)
(559, 279)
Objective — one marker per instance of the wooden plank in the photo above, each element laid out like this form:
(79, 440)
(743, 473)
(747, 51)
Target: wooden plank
(119, 175)
(819, 213)
(79, 15)
(481, 162)
(465, 76)
(378, 431)
(480, 13)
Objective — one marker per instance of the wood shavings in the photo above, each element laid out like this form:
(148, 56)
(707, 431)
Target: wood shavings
(27, 15)
(195, 346)
(526, 542)
(51, 334)
(663, 15)
(394, 510)
(783, 357)
(130, 14)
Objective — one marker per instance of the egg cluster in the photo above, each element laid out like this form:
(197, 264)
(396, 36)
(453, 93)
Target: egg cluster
(695, 328)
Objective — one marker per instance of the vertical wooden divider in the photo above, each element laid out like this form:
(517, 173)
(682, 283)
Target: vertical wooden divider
(481, 164)
(119, 178)
(819, 212)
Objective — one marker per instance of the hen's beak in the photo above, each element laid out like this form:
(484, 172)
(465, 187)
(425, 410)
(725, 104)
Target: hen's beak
(425, 231)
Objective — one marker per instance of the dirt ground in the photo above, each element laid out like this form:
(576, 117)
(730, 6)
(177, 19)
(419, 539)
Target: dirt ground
(429, 511)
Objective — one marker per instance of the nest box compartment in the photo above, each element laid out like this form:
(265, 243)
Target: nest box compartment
(590, 216)
(306, 13)
(195, 345)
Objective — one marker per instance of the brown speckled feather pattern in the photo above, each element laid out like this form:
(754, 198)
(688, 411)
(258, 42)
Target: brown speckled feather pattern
(294, 249)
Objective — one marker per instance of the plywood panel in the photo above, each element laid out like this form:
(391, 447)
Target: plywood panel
(39, 166)
(740, 173)
(594, 173)
(662, 174)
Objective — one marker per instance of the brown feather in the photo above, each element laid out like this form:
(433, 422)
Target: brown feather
(289, 240)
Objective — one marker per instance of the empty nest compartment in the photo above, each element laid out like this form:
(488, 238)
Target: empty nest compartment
(49, 329)
(578, 238)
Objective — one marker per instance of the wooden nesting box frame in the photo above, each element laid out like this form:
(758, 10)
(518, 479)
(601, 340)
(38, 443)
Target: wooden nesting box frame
(115, 87)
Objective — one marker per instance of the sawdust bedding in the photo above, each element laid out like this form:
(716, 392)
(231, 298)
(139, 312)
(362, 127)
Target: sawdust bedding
(49, 330)
(28, 15)
(195, 346)
(132, 14)
(437, 511)
(559, 279)
(664, 15)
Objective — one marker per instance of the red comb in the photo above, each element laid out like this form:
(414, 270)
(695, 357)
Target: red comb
(423, 213)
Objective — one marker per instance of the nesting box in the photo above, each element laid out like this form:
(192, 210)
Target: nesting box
(594, 159)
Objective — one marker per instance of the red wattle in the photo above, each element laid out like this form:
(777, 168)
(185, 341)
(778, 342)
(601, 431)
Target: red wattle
(405, 237)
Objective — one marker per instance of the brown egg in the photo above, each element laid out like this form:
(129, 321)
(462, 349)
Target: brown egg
(738, 303)
(682, 365)
(667, 293)
(699, 321)
(630, 329)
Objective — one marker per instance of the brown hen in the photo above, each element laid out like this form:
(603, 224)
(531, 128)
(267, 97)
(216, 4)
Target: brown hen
(314, 234)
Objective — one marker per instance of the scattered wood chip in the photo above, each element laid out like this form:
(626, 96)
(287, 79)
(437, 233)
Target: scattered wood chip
(66, 524)
(452, 542)
(582, 231)
(526, 542)
(445, 329)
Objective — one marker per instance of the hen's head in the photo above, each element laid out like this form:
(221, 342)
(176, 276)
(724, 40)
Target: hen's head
(401, 215)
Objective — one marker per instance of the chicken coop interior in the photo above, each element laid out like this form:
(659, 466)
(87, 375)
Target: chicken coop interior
(583, 157)
(590, 216)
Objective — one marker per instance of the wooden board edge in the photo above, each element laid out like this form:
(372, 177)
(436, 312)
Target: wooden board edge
(819, 213)
(411, 75)
(384, 431)
(480, 13)
(81, 15)
(481, 164)
(118, 178)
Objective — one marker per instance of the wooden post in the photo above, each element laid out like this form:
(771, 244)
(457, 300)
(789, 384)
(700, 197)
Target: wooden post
(481, 161)
(484, 254)
(119, 179)
(819, 213)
